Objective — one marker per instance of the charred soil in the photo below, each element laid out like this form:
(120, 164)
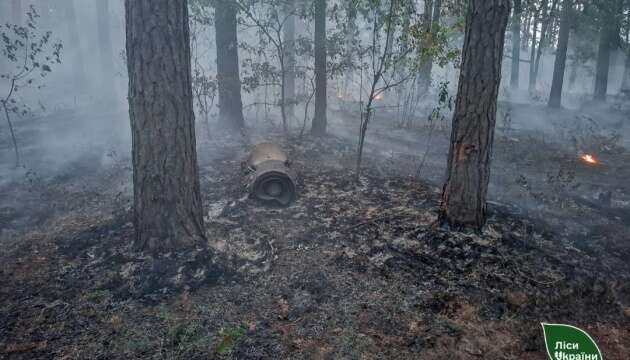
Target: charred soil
(353, 271)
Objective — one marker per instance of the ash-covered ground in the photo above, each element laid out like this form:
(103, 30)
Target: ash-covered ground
(348, 271)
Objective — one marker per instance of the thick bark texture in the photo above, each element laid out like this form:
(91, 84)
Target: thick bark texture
(319, 121)
(468, 170)
(229, 83)
(516, 44)
(555, 97)
(167, 198)
(289, 57)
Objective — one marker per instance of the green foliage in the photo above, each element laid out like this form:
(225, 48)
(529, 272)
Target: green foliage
(445, 103)
(184, 335)
(436, 44)
(30, 54)
(227, 339)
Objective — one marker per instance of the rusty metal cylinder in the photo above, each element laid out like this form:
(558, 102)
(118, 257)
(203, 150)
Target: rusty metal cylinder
(270, 178)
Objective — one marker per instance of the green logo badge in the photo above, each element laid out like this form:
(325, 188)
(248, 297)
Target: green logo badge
(566, 342)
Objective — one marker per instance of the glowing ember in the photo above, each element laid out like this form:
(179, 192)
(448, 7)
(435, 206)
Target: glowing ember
(589, 159)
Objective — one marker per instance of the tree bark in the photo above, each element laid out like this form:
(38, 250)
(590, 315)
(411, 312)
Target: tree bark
(555, 97)
(289, 57)
(103, 28)
(468, 170)
(228, 78)
(167, 198)
(516, 45)
(319, 121)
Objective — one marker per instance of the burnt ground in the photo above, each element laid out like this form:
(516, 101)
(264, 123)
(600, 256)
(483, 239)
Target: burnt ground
(347, 272)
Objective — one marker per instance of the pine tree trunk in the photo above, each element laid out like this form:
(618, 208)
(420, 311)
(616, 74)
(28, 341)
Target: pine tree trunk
(320, 121)
(228, 78)
(526, 33)
(607, 35)
(532, 58)
(602, 67)
(516, 45)
(167, 198)
(289, 57)
(544, 37)
(555, 97)
(468, 170)
(426, 66)
(435, 23)
(103, 28)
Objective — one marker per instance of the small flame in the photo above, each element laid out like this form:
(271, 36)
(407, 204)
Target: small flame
(588, 158)
(378, 97)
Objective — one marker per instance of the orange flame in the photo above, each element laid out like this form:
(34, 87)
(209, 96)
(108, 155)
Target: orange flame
(588, 158)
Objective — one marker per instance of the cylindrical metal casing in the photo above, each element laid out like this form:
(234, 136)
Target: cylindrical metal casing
(270, 177)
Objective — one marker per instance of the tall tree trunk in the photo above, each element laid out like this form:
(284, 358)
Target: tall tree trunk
(607, 37)
(540, 14)
(320, 121)
(544, 38)
(289, 57)
(167, 198)
(435, 24)
(228, 78)
(555, 97)
(103, 29)
(468, 170)
(526, 30)
(573, 74)
(516, 45)
(426, 66)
